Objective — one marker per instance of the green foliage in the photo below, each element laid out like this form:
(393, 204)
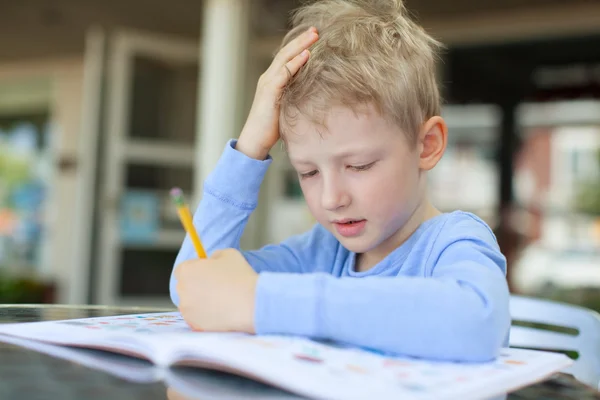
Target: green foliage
(19, 290)
(588, 196)
(14, 169)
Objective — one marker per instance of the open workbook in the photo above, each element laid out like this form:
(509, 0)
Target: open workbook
(305, 367)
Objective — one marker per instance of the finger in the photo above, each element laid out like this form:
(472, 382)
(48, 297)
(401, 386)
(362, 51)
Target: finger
(295, 47)
(184, 266)
(223, 253)
(290, 69)
(294, 65)
(195, 326)
(217, 254)
(178, 271)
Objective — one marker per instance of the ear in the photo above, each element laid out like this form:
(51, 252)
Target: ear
(433, 139)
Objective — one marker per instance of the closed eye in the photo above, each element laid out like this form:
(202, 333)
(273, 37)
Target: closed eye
(308, 174)
(361, 167)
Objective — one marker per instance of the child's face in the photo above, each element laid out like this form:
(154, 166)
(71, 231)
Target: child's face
(359, 175)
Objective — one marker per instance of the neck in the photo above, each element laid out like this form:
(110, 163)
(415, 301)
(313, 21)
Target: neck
(424, 211)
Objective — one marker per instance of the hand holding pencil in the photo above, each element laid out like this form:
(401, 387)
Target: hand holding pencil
(216, 293)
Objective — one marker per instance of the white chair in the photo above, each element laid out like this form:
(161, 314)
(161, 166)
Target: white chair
(584, 338)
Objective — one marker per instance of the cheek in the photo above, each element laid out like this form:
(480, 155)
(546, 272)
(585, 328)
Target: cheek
(311, 196)
(387, 201)
(390, 192)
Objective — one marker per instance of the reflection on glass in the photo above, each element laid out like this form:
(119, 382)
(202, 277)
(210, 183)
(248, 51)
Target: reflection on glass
(24, 177)
(198, 384)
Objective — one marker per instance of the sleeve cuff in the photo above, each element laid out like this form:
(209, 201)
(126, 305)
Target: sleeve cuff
(237, 178)
(287, 303)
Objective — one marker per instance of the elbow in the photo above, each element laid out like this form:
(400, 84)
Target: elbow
(485, 334)
(484, 344)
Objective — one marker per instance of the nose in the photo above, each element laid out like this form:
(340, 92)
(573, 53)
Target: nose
(334, 194)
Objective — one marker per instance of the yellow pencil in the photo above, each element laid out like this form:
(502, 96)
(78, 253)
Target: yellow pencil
(186, 220)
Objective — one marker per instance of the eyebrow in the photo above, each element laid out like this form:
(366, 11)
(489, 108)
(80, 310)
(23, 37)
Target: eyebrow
(349, 153)
(299, 161)
(362, 152)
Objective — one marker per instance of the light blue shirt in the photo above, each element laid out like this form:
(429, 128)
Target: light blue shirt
(442, 295)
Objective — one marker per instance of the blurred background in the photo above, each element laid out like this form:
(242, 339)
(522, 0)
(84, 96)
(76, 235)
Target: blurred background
(106, 105)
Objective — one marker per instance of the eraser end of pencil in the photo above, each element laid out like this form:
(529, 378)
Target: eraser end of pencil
(177, 195)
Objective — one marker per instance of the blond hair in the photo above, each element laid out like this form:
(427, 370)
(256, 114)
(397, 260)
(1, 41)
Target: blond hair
(369, 52)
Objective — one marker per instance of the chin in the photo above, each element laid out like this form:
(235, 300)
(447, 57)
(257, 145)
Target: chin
(357, 245)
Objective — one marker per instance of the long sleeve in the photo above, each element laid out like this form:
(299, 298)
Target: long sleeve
(230, 196)
(460, 312)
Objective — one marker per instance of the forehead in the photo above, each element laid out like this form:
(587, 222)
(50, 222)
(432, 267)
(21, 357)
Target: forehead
(341, 127)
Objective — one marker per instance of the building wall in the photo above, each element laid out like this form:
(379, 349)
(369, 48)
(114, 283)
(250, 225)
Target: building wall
(532, 178)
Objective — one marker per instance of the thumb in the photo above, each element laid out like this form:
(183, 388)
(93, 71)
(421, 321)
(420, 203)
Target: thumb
(217, 254)
(222, 253)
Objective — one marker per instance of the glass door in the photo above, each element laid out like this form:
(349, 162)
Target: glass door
(149, 148)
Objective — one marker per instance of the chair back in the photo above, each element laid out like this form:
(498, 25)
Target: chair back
(562, 327)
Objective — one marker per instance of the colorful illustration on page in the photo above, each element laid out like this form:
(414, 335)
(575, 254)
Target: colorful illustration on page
(142, 323)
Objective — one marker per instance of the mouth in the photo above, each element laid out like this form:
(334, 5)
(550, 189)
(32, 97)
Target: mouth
(347, 221)
(349, 227)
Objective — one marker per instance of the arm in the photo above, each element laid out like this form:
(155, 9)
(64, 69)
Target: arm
(459, 313)
(230, 196)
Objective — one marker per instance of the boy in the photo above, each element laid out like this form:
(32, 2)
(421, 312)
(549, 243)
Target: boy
(382, 268)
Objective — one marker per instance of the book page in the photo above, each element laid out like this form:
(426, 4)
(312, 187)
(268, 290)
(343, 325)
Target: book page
(321, 370)
(137, 323)
(299, 365)
(125, 334)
